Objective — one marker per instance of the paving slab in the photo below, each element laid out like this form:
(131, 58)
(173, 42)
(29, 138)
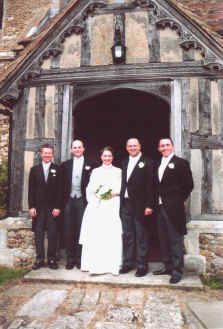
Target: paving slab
(43, 304)
(45, 274)
(210, 314)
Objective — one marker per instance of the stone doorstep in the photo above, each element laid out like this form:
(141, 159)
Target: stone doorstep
(189, 281)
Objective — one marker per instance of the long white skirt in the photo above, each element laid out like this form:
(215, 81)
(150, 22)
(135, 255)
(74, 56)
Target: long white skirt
(101, 237)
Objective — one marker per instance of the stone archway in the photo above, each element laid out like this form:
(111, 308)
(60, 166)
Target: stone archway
(114, 116)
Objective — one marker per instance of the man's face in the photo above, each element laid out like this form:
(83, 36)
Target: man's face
(77, 149)
(133, 147)
(165, 147)
(46, 155)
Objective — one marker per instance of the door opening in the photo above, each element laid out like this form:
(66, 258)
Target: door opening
(113, 117)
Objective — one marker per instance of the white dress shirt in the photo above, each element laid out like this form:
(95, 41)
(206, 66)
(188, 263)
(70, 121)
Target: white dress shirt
(131, 165)
(162, 167)
(46, 168)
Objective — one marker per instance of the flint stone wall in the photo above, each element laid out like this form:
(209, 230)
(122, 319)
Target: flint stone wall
(17, 248)
(211, 246)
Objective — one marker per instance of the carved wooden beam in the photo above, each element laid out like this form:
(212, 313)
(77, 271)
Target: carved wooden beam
(206, 142)
(34, 144)
(11, 96)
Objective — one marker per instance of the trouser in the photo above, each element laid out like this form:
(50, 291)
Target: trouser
(171, 243)
(135, 237)
(73, 214)
(45, 222)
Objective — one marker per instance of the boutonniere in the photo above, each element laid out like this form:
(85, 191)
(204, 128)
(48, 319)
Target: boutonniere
(53, 171)
(87, 167)
(171, 165)
(141, 164)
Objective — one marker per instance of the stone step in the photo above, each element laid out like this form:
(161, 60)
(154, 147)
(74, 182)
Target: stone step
(189, 280)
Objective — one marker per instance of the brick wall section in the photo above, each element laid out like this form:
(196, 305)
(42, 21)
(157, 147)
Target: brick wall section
(18, 15)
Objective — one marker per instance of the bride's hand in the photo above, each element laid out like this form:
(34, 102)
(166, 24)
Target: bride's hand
(114, 195)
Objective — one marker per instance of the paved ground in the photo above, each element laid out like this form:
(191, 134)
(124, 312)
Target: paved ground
(64, 299)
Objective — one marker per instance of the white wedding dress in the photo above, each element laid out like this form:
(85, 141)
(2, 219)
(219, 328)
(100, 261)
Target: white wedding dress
(101, 230)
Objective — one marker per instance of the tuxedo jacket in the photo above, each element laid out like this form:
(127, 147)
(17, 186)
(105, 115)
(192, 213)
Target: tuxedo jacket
(66, 179)
(41, 193)
(44, 194)
(140, 185)
(174, 188)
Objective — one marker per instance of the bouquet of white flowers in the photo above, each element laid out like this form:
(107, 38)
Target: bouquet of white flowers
(103, 192)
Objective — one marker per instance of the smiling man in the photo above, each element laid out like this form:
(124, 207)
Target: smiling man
(174, 184)
(44, 205)
(137, 201)
(75, 174)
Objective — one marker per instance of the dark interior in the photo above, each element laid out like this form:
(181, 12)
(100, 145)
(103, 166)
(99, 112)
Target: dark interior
(113, 117)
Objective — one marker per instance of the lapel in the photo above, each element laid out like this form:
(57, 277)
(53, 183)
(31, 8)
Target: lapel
(83, 171)
(167, 169)
(135, 168)
(41, 173)
(70, 170)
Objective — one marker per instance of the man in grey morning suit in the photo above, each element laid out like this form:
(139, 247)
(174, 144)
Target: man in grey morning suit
(75, 174)
(174, 184)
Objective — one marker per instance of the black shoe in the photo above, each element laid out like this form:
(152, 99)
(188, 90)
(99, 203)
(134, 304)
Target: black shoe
(162, 272)
(52, 264)
(175, 279)
(78, 266)
(126, 269)
(69, 266)
(38, 265)
(141, 272)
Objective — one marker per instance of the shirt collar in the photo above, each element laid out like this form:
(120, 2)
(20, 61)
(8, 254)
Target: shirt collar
(167, 159)
(46, 164)
(136, 158)
(78, 158)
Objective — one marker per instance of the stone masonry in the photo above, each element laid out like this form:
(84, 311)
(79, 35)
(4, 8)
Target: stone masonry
(16, 243)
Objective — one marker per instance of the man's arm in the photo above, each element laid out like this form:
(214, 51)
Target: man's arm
(31, 194)
(186, 180)
(150, 188)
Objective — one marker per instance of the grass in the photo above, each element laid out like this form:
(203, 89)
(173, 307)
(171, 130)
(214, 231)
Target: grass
(212, 282)
(8, 274)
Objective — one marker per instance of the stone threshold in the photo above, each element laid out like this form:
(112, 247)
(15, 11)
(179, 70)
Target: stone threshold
(75, 276)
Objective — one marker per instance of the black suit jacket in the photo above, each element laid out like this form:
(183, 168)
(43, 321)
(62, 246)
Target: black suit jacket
(140, 185)
(43, 193)
(66, 179)
(174, 188)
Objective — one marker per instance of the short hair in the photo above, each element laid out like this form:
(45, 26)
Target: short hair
(107, 148)
(46, 146)
(77, 140)
(165, 137)
(133, 138)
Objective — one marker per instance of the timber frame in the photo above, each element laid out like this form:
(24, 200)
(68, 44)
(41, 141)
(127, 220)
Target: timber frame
(168, 80)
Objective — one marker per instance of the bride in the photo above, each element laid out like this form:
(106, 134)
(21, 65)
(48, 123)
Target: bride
(101, 230)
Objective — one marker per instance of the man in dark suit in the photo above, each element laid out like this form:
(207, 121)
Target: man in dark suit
(174, 185)
(75, 174)
(137, 201)
(44, 206)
